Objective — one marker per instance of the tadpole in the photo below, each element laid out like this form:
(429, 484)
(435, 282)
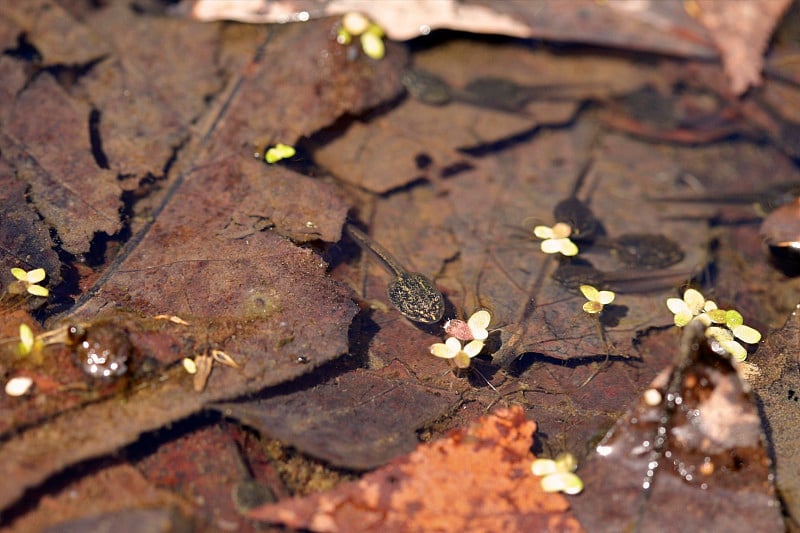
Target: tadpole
(411, 293)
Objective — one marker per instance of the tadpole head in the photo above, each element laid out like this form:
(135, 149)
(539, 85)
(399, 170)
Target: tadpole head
(647, 250)
(572, 274)
(580, 218)
(417, 298)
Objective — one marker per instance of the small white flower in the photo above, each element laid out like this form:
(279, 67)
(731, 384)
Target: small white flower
(558, 475)
(19, 386)
(472, 329)
(556, 239)
(693, 304)
(597, 299)
(28, 282)
(451, 349)
(355, 23)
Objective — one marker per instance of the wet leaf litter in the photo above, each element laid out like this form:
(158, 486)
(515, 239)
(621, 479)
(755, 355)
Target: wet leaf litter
(268, 279)
(693, 441)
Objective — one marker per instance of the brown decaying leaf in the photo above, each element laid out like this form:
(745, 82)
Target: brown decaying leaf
(468, 227)
(147, 519)
(298, 311)
(55, 157)
(141, 122)
(203, 466)
(262, 299)
(472, 227)
(662, 26)
(59, 37)
(474, 479)
(384, 152)
(778, 390)
(213, 228)
(344, 421)
(741, 31)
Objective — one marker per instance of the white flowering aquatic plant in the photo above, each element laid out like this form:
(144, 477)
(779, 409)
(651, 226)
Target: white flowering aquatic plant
(558, 475)
(452, 349)
(555, 239)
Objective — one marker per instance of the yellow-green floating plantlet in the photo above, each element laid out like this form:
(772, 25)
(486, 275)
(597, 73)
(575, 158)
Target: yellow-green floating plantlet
(556, 239)
(28, 282)
(734, 321)
(343, 36)
(558, 475)
(372, 45)
(278, 152)
(725, 338)
(597, 299)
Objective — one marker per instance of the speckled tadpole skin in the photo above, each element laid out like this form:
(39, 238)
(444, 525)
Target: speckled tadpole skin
(411, 293)
(416, 298)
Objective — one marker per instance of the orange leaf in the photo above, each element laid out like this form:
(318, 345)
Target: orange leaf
(474, 479)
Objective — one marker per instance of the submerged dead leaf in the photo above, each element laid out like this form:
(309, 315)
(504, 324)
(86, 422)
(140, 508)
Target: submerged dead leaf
(475, 479)
(140, 123)
(470, 230)
(740, 30)
(417, 140)
(344, 421)
(55, 158)
(292, 309)
(487, 213)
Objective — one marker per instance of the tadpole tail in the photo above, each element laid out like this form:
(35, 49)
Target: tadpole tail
(728, 198)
